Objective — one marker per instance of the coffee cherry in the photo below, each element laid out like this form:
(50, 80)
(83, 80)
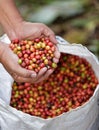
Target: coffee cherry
(20, 61)
(70, 86)
(34, 54)
(54, 65)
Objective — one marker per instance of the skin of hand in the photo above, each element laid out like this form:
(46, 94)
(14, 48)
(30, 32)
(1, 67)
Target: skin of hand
(21, 29)
(29, 31)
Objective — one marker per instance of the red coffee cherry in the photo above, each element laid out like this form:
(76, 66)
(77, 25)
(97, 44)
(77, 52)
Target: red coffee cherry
(34, 54)
(70, 86)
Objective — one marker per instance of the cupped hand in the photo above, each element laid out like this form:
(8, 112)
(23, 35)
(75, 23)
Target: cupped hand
(28, 30)
(19, 74)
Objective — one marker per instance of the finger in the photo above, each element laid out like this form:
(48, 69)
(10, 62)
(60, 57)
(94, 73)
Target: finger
(32, 80)
(34, 36)
(41, 72)
(57, 53)
(23, 80)
(55, 60)
(49, 33)
(22, 72)
(52, 38)
(47, 74)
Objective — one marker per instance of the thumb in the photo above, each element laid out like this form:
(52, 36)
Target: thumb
(25, 73)
(53, 39)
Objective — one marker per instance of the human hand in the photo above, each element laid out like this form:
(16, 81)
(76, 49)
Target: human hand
(27, 30)
(15, 27)
(19, 74)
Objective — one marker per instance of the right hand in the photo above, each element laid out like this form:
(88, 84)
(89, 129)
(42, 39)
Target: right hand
(10, 62)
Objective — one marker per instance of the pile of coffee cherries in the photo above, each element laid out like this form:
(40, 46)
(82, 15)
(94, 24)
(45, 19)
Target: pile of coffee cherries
(34, 54)
(70, 86)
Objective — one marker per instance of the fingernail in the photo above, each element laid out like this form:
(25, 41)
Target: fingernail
(33, 75)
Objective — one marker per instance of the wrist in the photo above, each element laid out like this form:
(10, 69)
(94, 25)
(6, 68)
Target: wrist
(10, 17)
(13, 30)
(11, 27)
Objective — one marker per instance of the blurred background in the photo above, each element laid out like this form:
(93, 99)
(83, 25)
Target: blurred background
(77, 21)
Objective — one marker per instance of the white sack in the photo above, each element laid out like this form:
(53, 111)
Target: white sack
(82, 118)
